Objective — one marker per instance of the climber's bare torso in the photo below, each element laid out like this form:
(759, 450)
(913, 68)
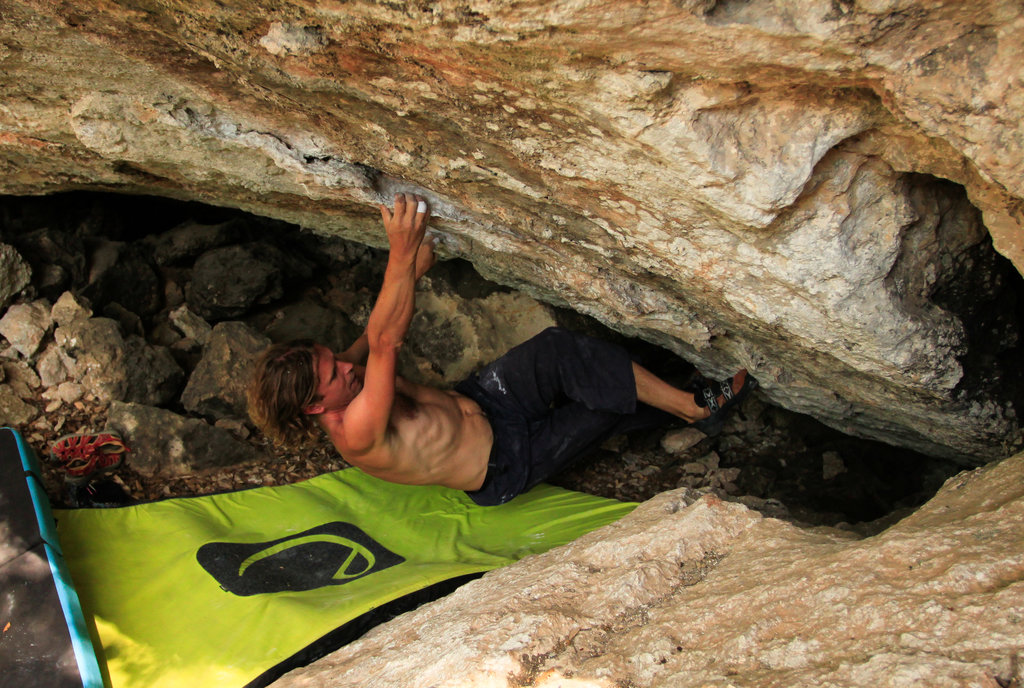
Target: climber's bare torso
(433, 437)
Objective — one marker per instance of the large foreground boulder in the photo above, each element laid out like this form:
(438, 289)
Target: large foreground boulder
(696, 592)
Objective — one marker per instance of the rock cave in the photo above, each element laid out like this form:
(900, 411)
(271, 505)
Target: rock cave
(829, 196)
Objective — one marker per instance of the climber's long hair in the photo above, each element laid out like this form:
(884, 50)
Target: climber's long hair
(283, 384)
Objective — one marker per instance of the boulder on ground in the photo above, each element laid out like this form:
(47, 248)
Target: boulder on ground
(227, 282)
(307, 319)
(116, 368)
(218, 384)
(451, 336)
(165, 443)
(191, 239)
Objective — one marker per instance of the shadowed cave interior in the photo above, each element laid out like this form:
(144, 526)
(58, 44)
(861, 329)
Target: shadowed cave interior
(781, 463)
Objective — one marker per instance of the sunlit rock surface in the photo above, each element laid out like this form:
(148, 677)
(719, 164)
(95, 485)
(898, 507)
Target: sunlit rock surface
(804, 189)
(708, 593)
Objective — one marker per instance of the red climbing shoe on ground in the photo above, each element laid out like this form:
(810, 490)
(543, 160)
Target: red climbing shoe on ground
(82, 456)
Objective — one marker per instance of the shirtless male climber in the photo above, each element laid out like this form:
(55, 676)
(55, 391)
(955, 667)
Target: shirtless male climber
(512, 425)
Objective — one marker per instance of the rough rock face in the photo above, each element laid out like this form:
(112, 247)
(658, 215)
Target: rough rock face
(808, 189)
(748, 184)
(686, 592)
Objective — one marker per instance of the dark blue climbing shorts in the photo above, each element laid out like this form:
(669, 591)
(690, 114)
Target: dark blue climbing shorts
(551, 401)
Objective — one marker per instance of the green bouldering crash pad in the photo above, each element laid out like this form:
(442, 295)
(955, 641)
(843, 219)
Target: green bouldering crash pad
(235, 589)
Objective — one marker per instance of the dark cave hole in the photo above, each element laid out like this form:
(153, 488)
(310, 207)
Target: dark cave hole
(947, 259)
(777, 461)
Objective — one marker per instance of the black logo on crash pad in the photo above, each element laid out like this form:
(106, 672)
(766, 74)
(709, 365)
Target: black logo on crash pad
(332, 554)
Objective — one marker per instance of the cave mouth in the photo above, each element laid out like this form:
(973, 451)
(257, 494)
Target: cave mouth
(778, 462)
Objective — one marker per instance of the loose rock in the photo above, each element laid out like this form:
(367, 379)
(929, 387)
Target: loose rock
(69, 308)
(15, 274)
(13, 410)
(51, 368)
(26, 325)
(680, 441)
(117, 368)
(21, 378)
(190, 325)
